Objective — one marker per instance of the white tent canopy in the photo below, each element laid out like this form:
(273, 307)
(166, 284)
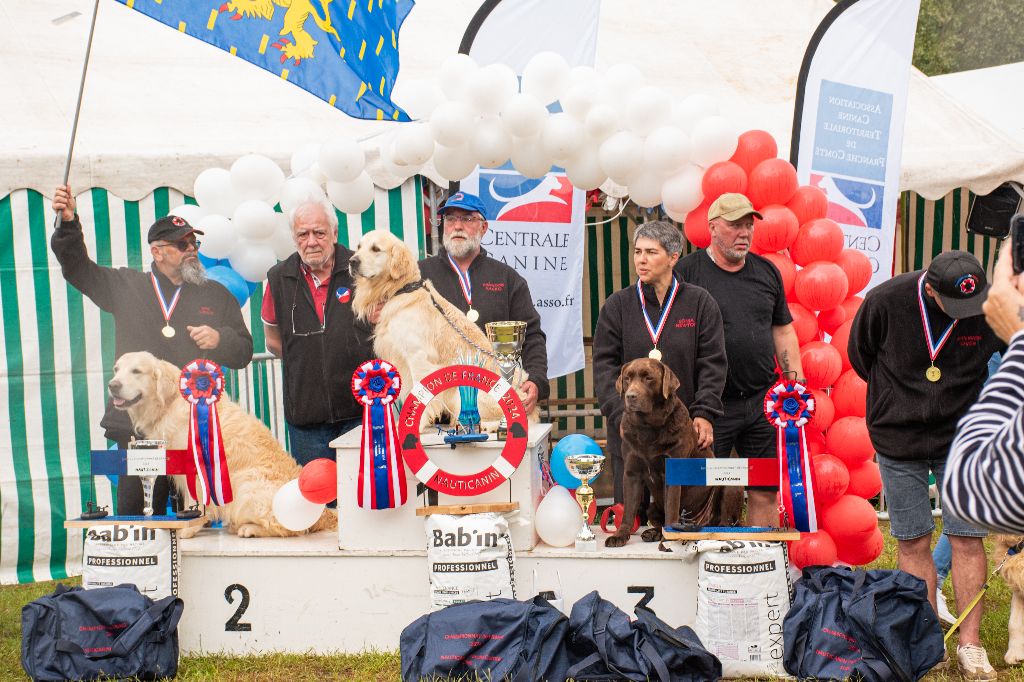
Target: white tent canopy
(160, 107)
(995, 94)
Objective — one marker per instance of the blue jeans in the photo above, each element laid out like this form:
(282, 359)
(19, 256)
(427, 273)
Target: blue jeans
(313, 442)
(905, 483)
(942, 555)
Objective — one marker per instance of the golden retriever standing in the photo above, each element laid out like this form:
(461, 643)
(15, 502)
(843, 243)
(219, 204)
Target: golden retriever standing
(147, 388)
(1013, 574)
(419, 331)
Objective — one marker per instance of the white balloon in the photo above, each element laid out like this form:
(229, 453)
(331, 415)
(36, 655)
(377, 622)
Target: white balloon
(414, 143)
(682, 192)
(667, 149)
(620, 80)
(674, 215)
(546, 76)
(529, 157)
(254, 220)
(601, 122)
(584, 169)
(252, 260)
(620, 156)
(558, 518)
(282, 241)
(454, 163)
(688, 112)
(219, 236)
(352, 197)
(523, 115)
(314, 174)
(297, 190)
(491, 87)
(214, 191)
(455, 73)
(342, 159)
(304, 157)
(395, 164)
(189, 212)
(645, 189)
(452, 123)
(646, 109)
(582, 92)
(491, 144)
(256, 177)
(562, 136)
(714, 139)
(292, 510)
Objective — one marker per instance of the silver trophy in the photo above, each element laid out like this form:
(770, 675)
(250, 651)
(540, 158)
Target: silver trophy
(507, 342)
(585, 468)
(148, 482)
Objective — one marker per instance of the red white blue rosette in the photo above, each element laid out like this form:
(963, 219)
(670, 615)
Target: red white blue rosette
(202, 384)
(789, 406)
(376, 384)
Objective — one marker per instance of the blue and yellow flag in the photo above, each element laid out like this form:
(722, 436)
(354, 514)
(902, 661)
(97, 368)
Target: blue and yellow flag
(343, 51)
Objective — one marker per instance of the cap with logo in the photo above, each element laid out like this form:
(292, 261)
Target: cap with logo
(171, 228)
(465, 201)
(960, 283)
(732, 206)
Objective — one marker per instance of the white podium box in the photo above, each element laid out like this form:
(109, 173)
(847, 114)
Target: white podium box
(399, 529)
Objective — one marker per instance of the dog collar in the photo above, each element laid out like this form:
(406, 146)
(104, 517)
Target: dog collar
(410, 287)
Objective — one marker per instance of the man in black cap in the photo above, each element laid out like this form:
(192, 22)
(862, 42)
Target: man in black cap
(173, 311)
(486, 289)
(922, 344)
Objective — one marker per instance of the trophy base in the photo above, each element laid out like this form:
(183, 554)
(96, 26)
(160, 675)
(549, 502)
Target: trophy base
(586, 545)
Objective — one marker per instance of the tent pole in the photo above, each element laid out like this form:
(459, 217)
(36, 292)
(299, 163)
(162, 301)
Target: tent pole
(78, 104)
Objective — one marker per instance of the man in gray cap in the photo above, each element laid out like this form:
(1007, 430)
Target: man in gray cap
(758, 333)
(173, 311)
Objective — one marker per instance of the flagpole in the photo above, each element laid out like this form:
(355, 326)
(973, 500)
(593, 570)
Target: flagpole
(78, 104)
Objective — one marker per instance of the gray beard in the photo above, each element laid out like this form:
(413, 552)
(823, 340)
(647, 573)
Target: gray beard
(193, 272)
(462, 249)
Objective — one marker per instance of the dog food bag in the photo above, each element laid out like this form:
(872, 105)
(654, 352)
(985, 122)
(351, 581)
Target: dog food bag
(125, 553)
(470, 557)
(743, 594)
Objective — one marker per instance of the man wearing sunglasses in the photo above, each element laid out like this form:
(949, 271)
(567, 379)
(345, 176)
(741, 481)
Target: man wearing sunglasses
(486, 289)
(173, 311)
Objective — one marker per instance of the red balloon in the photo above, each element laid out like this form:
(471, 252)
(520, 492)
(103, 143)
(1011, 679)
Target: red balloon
(850, 395)
(829, 320)
(865, 480)
(723, 177)
(804, 323)
(808, 203)
(695, 227)
(857, 267)
(851, 305)
(824, 411)
(848, 518)
(815, 440)
(821, 363)
(785, 267)
(318, 481)
(848, 440)
(841, 341)
(813, 549)
(820, 285)
(778, 229)
(820, 239)
(753, 147)
(831, 479)
(773, 181)
(864, 552)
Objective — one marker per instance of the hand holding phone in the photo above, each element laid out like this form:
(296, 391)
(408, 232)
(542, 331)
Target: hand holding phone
(1017, 242)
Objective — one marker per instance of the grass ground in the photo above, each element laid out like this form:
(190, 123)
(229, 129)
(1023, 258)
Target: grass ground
(381, 666)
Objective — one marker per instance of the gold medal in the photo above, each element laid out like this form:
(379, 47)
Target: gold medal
(472, 315)
(933, 374)
(655, 354)
(168, 331)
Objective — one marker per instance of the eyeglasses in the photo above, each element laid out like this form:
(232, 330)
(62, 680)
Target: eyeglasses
(463, 219)
(184, 244)
(295, 301)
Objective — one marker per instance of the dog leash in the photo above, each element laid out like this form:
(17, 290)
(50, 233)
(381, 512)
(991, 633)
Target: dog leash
(455, 327)
(977, 598)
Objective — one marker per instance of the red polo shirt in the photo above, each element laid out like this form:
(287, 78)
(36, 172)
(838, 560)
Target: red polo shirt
(317, 288)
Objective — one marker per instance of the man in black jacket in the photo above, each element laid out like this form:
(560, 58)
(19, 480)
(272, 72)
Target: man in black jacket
(173, 311)
(921, 343)
(486, 289)
(308, 322)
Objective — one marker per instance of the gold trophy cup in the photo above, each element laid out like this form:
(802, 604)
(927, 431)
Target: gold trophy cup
(585, 468)
(507, 343)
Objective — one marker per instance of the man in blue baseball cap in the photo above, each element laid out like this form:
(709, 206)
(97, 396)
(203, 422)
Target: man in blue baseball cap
(484, 288)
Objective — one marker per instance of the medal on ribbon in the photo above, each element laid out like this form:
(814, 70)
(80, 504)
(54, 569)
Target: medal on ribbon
(202, 384)
(655, 331)
(788, 406)
(933, 373)
(166, 308)
(467, 289)
(376, 384)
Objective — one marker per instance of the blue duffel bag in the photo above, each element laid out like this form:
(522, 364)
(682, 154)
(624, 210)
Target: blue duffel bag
(115, 632)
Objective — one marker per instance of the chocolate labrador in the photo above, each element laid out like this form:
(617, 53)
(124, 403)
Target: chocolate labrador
(655, 426)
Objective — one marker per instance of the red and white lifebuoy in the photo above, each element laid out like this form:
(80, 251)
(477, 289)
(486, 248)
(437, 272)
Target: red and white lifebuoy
(416, 457)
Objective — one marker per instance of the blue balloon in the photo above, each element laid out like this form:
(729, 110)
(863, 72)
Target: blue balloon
(573, 444)
(233, 281)
(207, 261)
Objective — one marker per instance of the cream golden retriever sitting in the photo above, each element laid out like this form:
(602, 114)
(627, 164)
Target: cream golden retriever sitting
(419, 331)
(147, 388)
(1013, 574)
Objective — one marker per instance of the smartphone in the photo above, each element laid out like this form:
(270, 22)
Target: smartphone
(1017, 242)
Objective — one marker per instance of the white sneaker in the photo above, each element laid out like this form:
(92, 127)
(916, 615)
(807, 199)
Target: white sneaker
(943, 609)
(974, 663)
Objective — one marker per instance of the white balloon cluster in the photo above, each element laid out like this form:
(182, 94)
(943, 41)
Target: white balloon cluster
(612, 126)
